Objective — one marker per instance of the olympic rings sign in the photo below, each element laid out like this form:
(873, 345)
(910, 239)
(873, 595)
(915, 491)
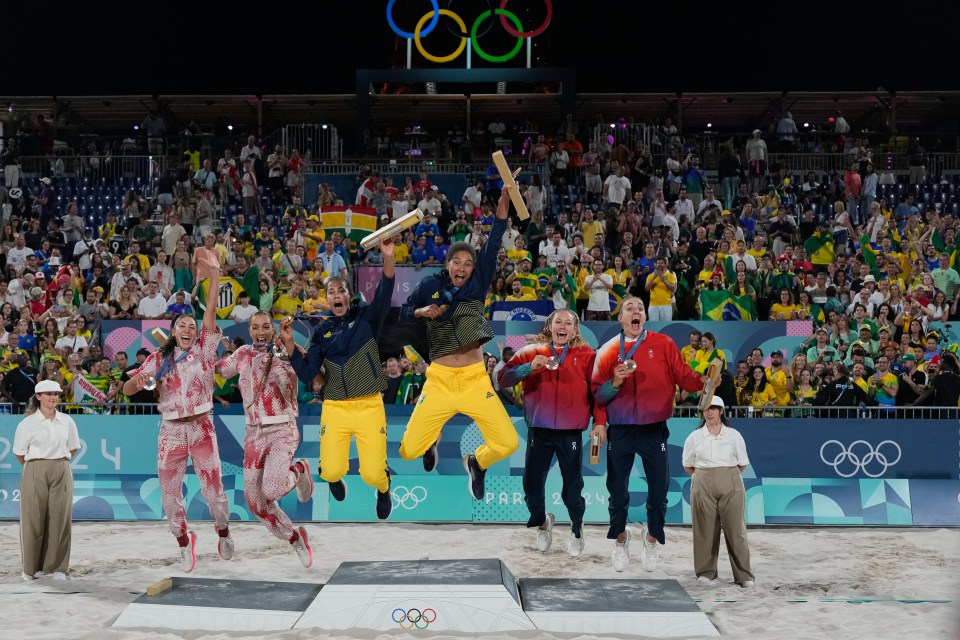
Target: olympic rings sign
(861, 456)
(410, 618)
(428, 23)
(408, 498)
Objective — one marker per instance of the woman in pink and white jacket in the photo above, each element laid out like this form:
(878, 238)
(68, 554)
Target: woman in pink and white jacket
(182, 370)
(268, 385)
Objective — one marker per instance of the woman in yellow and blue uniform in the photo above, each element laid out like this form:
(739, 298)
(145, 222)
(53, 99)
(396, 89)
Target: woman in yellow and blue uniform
(451, 304)
(345, 344)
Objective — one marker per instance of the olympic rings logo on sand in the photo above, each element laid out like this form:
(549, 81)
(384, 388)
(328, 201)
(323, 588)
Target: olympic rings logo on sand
(861, 457)
(408, 619)
(408, 499)
(428, 23)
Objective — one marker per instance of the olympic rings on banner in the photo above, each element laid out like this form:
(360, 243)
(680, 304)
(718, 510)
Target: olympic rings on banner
(406, 34)
(509, 20)
(414, 618)
(527, 34)
(441, 59)
(476, 44)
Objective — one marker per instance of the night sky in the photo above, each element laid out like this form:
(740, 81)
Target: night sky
(104, 48)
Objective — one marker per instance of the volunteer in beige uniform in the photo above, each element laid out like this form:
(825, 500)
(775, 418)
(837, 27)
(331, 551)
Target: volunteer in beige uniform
(44, 443)
(715, 455)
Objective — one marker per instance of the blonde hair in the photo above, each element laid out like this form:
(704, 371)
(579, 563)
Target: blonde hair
(546, 336)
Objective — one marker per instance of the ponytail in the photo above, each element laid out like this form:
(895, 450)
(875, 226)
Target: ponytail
(33, 405)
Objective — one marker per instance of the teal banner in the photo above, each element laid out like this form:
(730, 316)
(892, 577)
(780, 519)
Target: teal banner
(801, 472)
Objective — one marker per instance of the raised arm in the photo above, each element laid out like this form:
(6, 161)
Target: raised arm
(208, 266)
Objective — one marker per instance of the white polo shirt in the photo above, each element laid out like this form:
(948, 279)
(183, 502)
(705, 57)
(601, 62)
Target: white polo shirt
(704, 451)
(38, 438)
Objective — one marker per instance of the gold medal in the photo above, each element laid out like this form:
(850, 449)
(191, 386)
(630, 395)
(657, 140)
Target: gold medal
(630, 365)
(553, 363)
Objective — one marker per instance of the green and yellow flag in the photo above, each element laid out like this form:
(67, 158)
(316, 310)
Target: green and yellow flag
(870, 255)
(721, 305)
(617, 294)
(820, 248)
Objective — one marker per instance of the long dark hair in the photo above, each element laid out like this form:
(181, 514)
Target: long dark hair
(271, 352)
(167, 349)
(752, 384)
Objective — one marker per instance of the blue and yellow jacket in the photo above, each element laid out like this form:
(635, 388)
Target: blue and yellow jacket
(347, 348)
(463, 322)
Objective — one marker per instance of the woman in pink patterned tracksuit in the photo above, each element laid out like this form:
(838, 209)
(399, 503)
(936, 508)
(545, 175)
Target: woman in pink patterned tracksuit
(268, 385)
(184, 373)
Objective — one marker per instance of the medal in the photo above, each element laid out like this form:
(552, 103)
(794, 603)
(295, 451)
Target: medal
(627, 357)
(554, 362)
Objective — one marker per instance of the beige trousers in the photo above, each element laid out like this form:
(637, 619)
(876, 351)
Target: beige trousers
(717, 500)
(46, 512)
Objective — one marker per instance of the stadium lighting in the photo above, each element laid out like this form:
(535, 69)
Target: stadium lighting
(229, 127)
(709, 125)
(613, 126)
(806, 125)
(136, 127)
(324, 126)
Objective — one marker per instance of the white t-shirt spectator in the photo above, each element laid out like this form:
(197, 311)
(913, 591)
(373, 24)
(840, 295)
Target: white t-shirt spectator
(473, 195)
(617, 188)
(555, 254)
(599, 294)
(16, 258)
(76, 343)
(152, 307)
(16, 294)
(431, 206)
(509, 239)
(82, 252)
(242, 314)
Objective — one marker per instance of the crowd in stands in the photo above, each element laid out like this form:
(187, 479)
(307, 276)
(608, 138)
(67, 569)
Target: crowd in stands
(868, 258)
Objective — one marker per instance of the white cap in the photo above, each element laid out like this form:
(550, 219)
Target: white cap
(47, 386)
(717, 402)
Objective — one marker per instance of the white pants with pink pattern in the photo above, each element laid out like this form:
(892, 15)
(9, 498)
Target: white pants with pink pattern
(196, 439)
(267, 474)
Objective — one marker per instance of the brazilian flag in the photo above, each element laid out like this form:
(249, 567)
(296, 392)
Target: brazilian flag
(817, 314)
(870, 255)
(617, 294)
(723, 306)
(543, 278)
(820, 248)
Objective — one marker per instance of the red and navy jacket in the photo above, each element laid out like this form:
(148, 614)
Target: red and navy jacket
(559, 399)
(647, 394)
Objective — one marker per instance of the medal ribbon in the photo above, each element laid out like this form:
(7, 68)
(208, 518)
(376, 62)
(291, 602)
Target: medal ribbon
(623, 343)
(563, 352)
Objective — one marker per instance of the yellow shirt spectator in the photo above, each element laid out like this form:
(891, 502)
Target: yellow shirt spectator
(660, 294)
(782, 312)
(523, 297)
(516, 255)
(777, 380)
(286, 305)
(401, 253)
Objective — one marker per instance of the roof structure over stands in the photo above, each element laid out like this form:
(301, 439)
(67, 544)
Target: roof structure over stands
(933, 112)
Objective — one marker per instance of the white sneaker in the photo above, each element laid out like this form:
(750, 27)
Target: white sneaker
(302, 547)
(304, 482)
(650, 556)
(27, 578)
(621, 552)
(575, 545)
(704, 581)
(545, 536)
(225, 546)
(59, 575)
(188, 554)
(746, 584)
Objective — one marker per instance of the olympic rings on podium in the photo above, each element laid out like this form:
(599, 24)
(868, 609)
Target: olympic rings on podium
(414, 618)
(427, 23)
